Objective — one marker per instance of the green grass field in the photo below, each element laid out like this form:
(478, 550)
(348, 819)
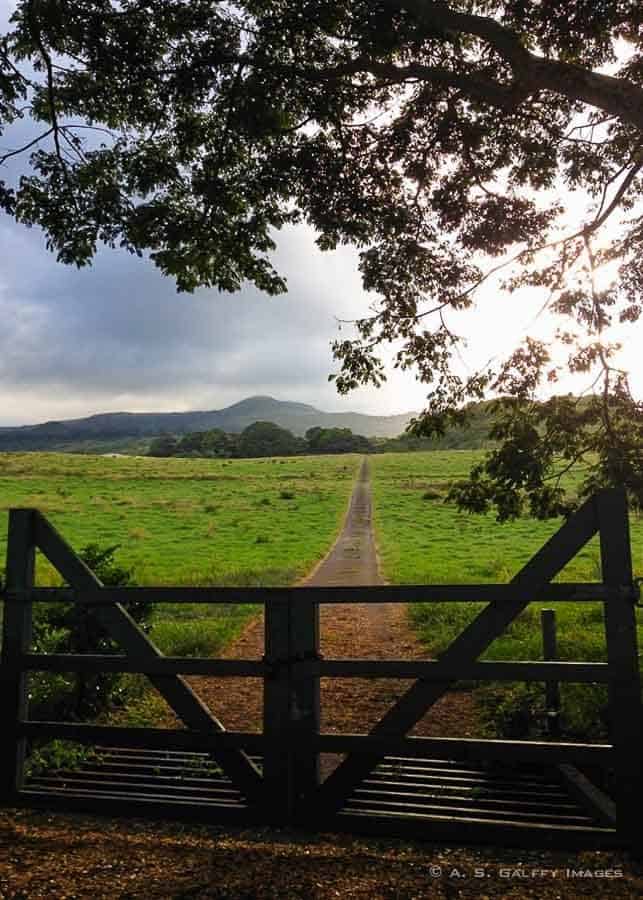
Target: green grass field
(187, 521)
(422, 539)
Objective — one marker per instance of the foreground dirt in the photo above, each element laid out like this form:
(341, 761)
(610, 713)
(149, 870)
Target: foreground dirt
(72, 857)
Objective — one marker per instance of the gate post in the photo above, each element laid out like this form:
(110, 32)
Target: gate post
(291, 706)
(278, 797)
(305, 706)
(16, 638)
(625, 710)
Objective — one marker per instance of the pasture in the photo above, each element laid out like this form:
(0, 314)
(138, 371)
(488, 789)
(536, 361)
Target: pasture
(187, 522)
(422, 539)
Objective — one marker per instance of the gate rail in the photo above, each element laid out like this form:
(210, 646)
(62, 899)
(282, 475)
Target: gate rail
(286, 788)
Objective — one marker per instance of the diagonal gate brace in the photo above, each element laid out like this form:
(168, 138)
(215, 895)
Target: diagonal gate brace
(465, 649)
(122, 627)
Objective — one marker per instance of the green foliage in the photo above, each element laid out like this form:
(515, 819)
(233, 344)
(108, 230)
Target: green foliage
(58, 754)
(163, 445)
(267, 439)
(258, 440)
(69, 628)
(211, 444)
(204, 635)
(533, 440)
(337, 440)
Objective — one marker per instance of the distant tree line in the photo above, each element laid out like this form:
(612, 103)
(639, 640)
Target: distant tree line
(260, 439)
(269, 439)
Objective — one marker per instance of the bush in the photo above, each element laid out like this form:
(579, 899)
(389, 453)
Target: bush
(68, 628)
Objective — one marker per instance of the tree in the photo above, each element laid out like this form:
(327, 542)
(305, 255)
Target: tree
(163, 445)
(212, 443)
(267, 439)
(336, 440)
(433, 136)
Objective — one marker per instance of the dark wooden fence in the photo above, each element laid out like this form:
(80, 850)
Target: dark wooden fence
(276, 773)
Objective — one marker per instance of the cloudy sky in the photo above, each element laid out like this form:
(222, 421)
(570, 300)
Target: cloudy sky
(117, 336)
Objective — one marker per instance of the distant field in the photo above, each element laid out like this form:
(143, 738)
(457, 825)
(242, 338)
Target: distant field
(187, 521)
(421, 539)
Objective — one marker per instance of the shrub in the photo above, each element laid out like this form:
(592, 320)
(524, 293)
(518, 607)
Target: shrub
(68, 628)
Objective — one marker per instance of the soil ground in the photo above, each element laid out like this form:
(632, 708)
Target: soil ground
(69, 857)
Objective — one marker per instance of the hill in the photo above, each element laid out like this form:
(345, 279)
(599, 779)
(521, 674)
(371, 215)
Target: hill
(131, 432)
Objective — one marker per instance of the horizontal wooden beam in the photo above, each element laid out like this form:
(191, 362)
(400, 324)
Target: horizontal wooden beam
(466, 748)
(436, 593)
(412, 747)
(430, 670)
(164, 665)
(434, 670)
(145, 738)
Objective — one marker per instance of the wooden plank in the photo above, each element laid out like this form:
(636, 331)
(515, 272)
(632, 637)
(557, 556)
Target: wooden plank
(471, 831)
(145, 738)
(552, 689)
(110, 782)
(163, 665)
(430, 670)
(470, 643)
(436, 670)
(120, 625)
(436, 593)
(465, 810)
(278, 798)
(625, 711)
(16, 638)
(175, 810)
(458, 795)
(597, 803)
(541, 752)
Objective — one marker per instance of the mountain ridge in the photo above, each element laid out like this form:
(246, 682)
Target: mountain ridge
(119, 427)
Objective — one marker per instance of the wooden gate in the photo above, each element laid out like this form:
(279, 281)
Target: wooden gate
(512, 792)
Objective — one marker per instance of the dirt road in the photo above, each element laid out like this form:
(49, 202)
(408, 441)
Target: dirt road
(356, 630)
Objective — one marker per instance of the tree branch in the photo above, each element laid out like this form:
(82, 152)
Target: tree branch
(615, 96)
(25, 147)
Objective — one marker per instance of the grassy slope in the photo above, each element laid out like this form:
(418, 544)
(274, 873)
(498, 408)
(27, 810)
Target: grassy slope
(423, 540)
(182, 521)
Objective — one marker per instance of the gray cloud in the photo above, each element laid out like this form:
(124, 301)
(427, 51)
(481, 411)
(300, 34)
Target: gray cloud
(117, 335)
